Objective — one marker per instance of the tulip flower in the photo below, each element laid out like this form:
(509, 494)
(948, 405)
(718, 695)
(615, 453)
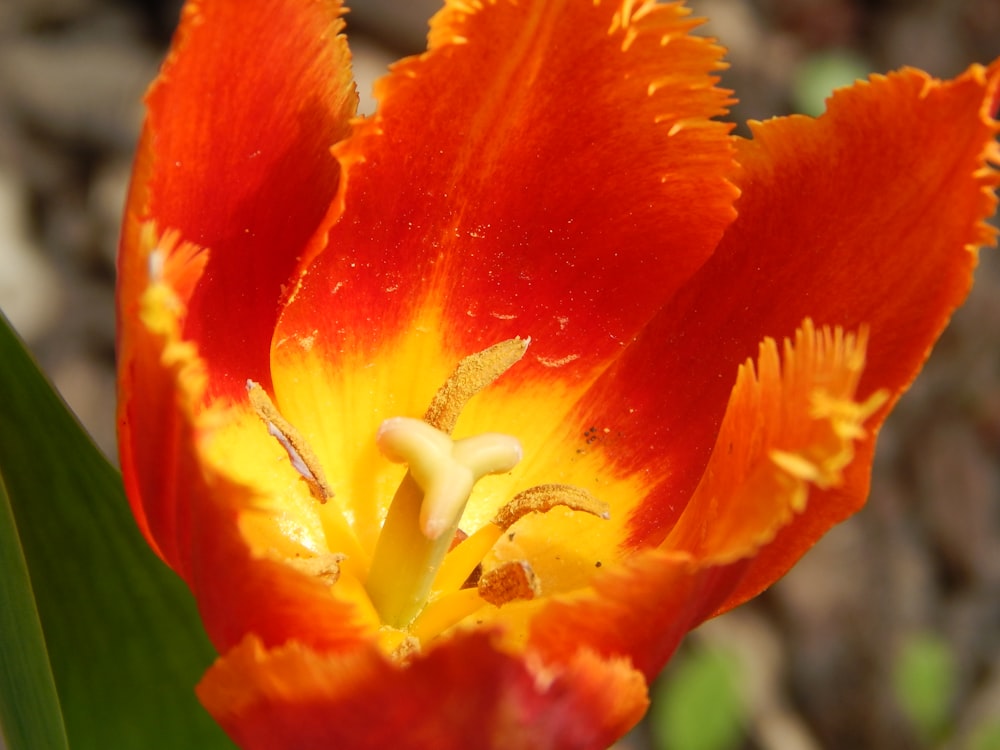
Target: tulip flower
(456, 418)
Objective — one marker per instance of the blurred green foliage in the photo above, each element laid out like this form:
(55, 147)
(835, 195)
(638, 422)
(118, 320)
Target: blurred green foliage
(697, 704)
(987, 736)
(820, 74)
(924, 685)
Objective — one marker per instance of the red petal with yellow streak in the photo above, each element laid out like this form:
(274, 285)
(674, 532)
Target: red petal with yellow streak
(235, 155)
(194, 514)
(465, 694)
(547, 169)
(865, 217)
(234, 169)
(791, 423)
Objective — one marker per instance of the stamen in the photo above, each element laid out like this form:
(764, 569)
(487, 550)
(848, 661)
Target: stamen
(463, 559)
(299, 453)
(544, 498)
(460, 562)
(471, 375)
(445, 612)
(509, 582)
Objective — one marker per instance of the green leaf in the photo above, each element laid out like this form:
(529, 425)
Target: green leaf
(924, 681)
(29, 707)
(124, 640)
(697, 704)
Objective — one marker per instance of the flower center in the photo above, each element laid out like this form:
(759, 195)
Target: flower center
(426, 509)
(428, 506)
(425, 572)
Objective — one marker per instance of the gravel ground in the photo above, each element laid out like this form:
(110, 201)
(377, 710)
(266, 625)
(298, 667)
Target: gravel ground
(818, 652)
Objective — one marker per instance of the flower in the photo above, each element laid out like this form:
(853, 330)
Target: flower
(456, 430)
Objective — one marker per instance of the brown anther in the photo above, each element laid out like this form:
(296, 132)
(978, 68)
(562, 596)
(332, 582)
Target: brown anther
(407, 649)
(303, 459)
(544, 498)
(471, 375)
(325, 567)
(509, 582)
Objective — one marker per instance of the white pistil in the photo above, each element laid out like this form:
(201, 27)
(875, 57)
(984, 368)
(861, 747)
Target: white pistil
(445, 470)
(426, 509)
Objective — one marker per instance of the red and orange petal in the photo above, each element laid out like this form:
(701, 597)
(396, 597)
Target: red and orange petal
(445, 216)
(865, 217)
(194, 514)
(639, 609)
(464, 694)
(563, 184)
(634, 615)
(790, 426)
(154, 364)
(235, 156)
(548, 168)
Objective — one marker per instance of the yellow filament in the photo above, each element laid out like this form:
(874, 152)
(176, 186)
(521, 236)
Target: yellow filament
(461, 561)
(441, 614)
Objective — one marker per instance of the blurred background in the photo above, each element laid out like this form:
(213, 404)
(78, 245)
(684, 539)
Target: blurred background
(887, 635)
